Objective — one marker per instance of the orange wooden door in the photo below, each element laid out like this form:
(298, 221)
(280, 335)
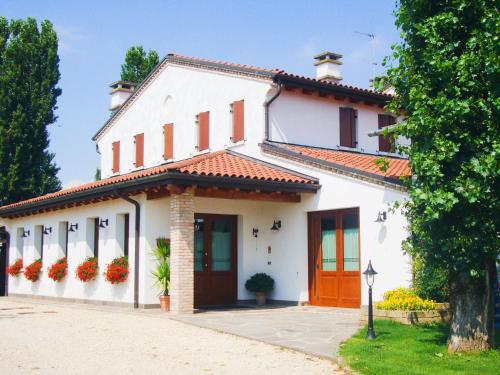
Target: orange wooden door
(334, 274)
(215, 275)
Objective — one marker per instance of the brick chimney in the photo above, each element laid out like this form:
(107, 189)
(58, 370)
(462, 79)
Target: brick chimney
(328, 67)
(120, 92)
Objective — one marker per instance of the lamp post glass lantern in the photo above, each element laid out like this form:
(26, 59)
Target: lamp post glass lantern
(370, 279)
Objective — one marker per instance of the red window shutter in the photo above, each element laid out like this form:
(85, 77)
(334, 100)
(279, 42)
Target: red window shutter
(168, 134)
(385, 144)
(203, 131)
(347, 127)
(139, 150)
(238, 121)
(116, 157)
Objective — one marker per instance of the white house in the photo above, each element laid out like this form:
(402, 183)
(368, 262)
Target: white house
(245, 170)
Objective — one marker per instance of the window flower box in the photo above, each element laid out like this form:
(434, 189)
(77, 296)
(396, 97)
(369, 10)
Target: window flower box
(87, 271)
(117, 271)
(32, 272)
(15, 268)
(58, 270)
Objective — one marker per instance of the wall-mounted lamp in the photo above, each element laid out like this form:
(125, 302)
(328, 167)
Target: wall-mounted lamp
(197, 224)
(382, 216)
(103, 223)
(73, 227)
(47, 230)
(255, 232)
(276, 225)
(26, 233)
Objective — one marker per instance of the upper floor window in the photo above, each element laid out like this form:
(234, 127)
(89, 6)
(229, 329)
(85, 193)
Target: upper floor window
(348, 127)
(238, 111)
(139, 150)
(385, 144)
(168, 140)
(203, 120)
(116, 157)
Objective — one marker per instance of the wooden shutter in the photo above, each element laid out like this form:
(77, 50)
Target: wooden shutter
(347, 127)
(168, 137)
(139, 150)
(238, 121)
(203, 131)
(385, 144)
(116, 157)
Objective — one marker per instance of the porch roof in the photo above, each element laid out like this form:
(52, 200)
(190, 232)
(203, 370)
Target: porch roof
(225, 169)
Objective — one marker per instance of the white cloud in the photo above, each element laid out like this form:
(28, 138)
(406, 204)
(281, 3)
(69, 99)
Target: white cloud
(68, 38)
(72, 183)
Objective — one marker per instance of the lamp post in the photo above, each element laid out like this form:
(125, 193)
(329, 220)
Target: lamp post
(370, 279)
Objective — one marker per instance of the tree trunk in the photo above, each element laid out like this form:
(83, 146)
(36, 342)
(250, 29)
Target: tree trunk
(471, 302)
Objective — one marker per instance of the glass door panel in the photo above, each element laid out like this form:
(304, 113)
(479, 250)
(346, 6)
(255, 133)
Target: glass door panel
(199, 249)
(328, 244)
(221, 245)
(350, 234)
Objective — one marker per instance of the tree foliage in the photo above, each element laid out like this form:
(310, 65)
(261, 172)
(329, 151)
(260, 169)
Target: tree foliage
(29, 73)
(138, 64)
(446, 76)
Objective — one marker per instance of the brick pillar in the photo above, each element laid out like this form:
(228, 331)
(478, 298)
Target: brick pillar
(182, 252)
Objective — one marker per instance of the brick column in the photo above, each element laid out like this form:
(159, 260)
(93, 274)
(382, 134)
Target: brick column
(182, 252)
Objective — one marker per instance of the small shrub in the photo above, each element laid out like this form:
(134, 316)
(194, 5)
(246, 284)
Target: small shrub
(15, 268)
(58, 270)
(117, 270)
(32, 272)
(87, 270)
(260, 282)
(404, 299)
(430, 283)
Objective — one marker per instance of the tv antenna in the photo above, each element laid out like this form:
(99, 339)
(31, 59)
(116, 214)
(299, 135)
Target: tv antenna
(373, 62)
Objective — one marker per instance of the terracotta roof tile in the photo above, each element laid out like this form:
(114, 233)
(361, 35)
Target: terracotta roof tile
(218, 164)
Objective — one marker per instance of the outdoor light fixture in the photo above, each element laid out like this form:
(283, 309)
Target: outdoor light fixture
(276, 225)
(26, 233)
(103, 223)
(197, 224)
(47, 230)
(370, 279)
(255, 232)
(73, 227)
(382, 216)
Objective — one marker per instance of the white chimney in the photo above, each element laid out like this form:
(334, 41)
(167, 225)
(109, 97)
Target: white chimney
(328, 67)
(120, 92)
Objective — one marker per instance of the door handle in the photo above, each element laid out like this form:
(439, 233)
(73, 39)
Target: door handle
(206, 265)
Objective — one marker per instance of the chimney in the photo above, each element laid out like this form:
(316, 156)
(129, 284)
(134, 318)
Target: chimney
(120, 92)
(328, 67)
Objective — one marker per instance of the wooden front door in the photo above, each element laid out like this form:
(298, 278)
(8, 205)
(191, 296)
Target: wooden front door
(334, 275)
(215, 279)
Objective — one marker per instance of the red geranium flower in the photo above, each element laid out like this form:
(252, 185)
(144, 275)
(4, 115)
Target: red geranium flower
(87, 270)
(15, 268)
(117, 270)
(32, 272)
(58, 270)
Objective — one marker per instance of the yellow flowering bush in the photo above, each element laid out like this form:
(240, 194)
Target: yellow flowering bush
(404, 299)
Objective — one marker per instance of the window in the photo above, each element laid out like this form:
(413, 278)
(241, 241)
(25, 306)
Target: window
(238, 111)
(39, 242)
(203, 120)
(93, 236)
(168, 138)
(385, 144)
(96, 237)
(63, 237)
(123, 232)
(139, 150)
(348, 127)
(116, 157)
(20, 241)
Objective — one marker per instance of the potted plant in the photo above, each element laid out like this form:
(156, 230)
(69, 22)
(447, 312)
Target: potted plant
(58, 270)
(15, 268)
(117, 270)
(32, 272)
(87, 270)
(260, 284)
(162, 271)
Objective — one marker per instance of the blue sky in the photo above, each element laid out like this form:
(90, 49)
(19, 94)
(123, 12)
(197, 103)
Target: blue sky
(94, 36)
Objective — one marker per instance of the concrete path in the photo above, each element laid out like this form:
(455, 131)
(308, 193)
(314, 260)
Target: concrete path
(312, 330)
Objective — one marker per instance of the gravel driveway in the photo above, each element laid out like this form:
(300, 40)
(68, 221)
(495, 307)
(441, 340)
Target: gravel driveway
(38, 338)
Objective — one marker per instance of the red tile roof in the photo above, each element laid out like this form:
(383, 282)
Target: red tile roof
(361, 162)
(215, 164)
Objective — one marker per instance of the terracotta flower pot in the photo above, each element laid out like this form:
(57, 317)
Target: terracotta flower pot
(165, 303)
(261, 298)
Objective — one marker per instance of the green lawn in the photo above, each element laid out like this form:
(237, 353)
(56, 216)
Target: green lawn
(408, 350)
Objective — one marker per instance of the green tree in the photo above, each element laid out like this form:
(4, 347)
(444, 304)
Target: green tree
(29, 73)
(446, 76)
(97, 175)
(138, 64)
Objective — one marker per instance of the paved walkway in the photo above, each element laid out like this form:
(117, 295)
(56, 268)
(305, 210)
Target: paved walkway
(312, 330)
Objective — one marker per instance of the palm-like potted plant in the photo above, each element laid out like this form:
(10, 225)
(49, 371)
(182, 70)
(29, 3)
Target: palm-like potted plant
(162, 271)
(260, 284)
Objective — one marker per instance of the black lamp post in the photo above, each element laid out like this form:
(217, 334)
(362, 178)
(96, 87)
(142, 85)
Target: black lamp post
(370, 279)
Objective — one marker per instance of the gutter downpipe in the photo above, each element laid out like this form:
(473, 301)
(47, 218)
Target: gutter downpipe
(267, 103)
(137, 242)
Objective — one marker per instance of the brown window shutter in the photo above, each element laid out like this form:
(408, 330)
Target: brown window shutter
(139, 150)
(347, 127)
(203, 131)
(168, 141)
(238, 121)
(116, 157)
(385, 144)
